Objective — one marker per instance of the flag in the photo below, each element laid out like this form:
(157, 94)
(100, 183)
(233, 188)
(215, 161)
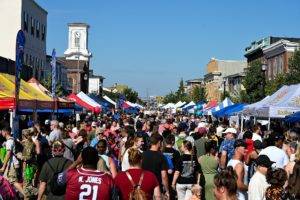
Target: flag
(53, 66)
(20, 42)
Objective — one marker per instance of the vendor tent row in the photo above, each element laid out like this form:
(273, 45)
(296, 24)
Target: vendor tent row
(34, 97)
(281, 104)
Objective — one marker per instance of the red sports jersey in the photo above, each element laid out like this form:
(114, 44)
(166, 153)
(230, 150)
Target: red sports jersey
(84, 184)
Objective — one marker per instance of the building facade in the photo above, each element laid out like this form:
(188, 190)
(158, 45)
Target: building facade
(190, 84)
(28, 16)
(277, 55)
(77, 57)
(255, 50)
(217, 70)
(95, 83)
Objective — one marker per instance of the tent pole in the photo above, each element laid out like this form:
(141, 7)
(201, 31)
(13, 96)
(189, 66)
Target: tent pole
(11, 113)
(269, 124)
(242, 123)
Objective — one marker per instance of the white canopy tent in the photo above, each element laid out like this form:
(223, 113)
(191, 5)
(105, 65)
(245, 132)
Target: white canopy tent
(282, 103)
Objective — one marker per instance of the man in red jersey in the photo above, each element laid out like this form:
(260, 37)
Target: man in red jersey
(86, 182)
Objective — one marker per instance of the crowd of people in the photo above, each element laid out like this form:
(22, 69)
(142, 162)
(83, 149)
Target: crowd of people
(159, 156)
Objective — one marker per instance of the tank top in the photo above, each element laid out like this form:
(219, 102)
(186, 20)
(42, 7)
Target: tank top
(105, 158)
(242, 195)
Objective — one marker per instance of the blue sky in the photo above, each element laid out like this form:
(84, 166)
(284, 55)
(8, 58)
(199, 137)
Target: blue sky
(152, 44)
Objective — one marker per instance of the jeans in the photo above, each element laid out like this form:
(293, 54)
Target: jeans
(184, 191)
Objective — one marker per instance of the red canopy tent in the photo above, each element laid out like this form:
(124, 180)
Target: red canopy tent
(80, 102)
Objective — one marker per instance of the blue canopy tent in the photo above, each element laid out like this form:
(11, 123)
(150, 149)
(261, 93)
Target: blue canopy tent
(58, 111)
(106, 105)
(293, 118)
(229, 110)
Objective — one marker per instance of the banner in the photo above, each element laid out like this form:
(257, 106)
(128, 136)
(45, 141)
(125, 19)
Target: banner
(20, 42)
(53, 65)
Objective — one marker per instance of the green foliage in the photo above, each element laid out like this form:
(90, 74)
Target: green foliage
(293, 76)
(130, 95)
(170, 98)
(224, 95)
(198, 94)
(273, 85)
(253, 83)
(180, 92)
(47, 83)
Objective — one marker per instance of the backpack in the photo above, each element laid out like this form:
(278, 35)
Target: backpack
(6, 189)
(56, 188)
(170, 163)
(137, 193)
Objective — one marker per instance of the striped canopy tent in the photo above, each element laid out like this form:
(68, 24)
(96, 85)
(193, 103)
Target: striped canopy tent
(225, 103)
(59, 103)
(29, 97)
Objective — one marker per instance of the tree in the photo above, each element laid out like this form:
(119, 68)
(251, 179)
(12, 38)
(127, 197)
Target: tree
(253, 83)
(273, 85)
(47, 83)
(225, 94)
(130, 95)
(293, 75)
(198, 94)
(180, 92)
(170, 98)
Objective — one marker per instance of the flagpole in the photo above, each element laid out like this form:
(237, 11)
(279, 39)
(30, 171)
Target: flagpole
(53, 82)
(20, 42)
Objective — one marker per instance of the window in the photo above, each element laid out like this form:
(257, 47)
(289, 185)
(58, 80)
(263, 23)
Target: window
(32, 26)
(38, 29)
(43, 32)
(25, 21)
(77, 42)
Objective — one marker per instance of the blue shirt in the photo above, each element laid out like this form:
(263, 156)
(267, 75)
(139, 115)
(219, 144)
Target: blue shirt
(94, 142)
(228, 146)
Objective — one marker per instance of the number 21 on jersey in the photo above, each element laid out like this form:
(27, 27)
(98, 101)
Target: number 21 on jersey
(87, 190)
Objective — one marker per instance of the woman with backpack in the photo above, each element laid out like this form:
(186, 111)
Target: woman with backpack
(187, 172)
(136, 183)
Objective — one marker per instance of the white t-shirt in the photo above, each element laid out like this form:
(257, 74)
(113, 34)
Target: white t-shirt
(276, 155)
(10, 146)
(55, 135)
(255, 136)
(125, 163)
(257, 186)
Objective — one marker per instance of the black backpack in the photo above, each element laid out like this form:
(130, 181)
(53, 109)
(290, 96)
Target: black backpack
(56, 188)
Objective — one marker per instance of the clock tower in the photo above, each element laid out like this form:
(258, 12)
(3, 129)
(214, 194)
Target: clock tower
(78, 42)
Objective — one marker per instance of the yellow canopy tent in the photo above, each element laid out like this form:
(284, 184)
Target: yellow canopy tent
(28, 95)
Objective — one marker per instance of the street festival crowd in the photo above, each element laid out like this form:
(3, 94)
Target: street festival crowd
(155, 156)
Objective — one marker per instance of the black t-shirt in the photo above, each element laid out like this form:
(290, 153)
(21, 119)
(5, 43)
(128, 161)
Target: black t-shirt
(155, 162)
(174, 155)
(188, 169)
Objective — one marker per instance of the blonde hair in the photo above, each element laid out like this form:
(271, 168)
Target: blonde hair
(134, 157)
(297, 155)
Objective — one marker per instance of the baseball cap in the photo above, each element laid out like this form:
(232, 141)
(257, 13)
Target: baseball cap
(264, 160)
(275, 136)
(258, 144)
(230, 130)
(240, 143)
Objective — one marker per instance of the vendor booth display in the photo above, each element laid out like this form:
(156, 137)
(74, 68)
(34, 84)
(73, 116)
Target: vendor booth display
(283, 102)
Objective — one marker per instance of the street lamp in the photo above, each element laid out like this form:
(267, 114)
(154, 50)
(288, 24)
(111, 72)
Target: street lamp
(224, 88)
(263, 70)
